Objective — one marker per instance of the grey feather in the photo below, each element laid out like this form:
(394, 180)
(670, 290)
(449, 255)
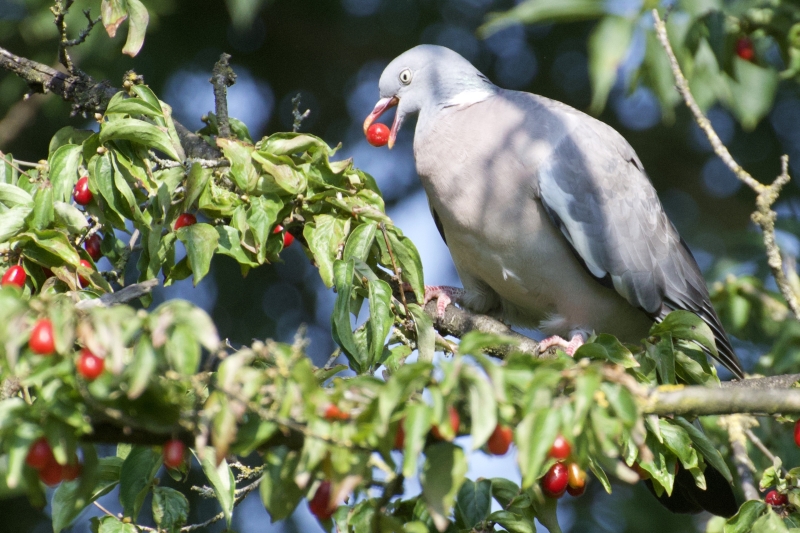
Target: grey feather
(549, 215)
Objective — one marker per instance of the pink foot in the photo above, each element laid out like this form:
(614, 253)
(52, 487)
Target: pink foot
(569, 346)
(444, 296)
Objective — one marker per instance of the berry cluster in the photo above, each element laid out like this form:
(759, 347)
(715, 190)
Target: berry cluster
(40, 457)
(561, 477)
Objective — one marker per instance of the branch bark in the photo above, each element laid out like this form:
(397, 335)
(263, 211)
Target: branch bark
(87, 95)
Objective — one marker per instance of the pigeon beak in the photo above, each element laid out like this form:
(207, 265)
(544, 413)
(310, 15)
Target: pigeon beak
(380, 108)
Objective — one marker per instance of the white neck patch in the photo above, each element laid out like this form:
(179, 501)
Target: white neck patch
(469, 97)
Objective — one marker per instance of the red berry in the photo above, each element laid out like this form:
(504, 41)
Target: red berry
(82, 194)
(400, 437)
(52, 473)
(745, 49)
(455, 421)
(92, 246)
(41, 341)
(174, 450)
(71, 471)
(39, 454)
(288, 238)
(84, 282)
(576, 479)
(378, 134)
(14, 276)
(556, 480)
(89, 365)
(776, 499)
(321, 505)
(500, 440)
(332, 412)
(560, 449)
(185, 219)
(797, 433)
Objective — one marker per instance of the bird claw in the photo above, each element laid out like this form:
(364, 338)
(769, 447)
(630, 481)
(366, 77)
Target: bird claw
(443, 295)
(569, 346)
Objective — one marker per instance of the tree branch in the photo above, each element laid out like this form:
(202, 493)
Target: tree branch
(222, 77)
(698, 400)
(88, 96)
(764, 216)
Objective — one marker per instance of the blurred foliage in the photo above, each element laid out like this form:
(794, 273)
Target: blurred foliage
(733, 53)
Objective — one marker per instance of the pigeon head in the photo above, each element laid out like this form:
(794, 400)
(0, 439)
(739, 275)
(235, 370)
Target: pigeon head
(424, 79)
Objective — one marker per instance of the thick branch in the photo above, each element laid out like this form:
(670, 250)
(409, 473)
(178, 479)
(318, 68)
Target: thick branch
(764, 216)
(735, 398)
(87, 95)
(458, 322)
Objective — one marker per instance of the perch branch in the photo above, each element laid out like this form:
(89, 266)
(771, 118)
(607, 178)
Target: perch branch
(766, 195)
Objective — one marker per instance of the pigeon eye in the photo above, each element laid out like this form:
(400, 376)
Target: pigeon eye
(405, 77)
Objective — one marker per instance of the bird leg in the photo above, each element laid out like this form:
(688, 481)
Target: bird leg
(569, 346)
(444, 296)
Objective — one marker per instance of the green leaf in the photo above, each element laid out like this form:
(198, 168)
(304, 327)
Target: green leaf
(243, 172)
(608, 45)
(770, 523)
(201, 242)
(752, 93)
(113, 13)
(63, 175)
(416, 424)
(112, 524)
(663, 354)
(222, 481)
(142, 368)
(72, 497)
(360, 241)
(534, 11)
(136, 477)
(283, 172)
(138, 131)
(512, 522)
(742, 522)
(441, 477)
(13, 221)
(324, 239)
(504, 491)
(196, 181)
(381, 318)
(51, 242)
(43, 212)
(66, 135)
(426, 335)
(705, 447)
(170, 509)
(409, 262)
(230, 245)
(11, 196)
(122, 104)
(607, 348)
(686, 325)
(340, 319)
(482, 405)
(137, 26)
(291, 143)
(69, 216)
(534, 436)
(279, 492)
(473, 503)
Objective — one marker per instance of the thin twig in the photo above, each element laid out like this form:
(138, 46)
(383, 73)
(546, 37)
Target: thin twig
(764, 216)
(12, 165)
(332, 359)
(109, 513)
(241, 494)
(760, 445)
(60, 10)
(84, 33)
(298, 116)
(396, 270)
